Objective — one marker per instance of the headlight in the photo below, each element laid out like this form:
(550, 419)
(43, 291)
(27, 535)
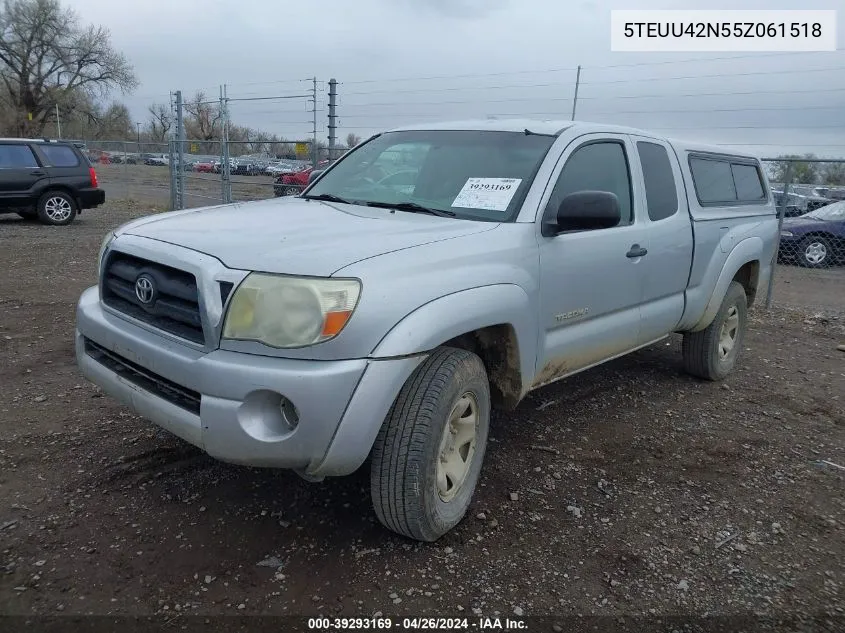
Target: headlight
(290, 311)
(786, 234)
(106, 241)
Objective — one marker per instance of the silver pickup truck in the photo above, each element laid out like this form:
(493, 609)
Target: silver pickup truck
(432, 273)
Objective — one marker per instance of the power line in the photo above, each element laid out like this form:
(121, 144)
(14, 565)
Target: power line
(557, 84)
(789, 109)
(573, 68)
(568, 99)
(719, 75)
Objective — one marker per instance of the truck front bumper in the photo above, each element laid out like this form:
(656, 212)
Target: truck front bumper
(317, 417)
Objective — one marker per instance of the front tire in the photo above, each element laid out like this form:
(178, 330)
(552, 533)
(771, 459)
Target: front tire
(815, 252)
(712, 353)
(290, 191)
(428, 454)
(56, 208)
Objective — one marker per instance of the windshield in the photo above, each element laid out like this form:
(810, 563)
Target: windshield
(476, 175)
(831, 212)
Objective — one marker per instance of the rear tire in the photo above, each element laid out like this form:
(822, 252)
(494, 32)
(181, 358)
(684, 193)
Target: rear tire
(712, 353)
(56, 208)
(427, 457)
(290, 191)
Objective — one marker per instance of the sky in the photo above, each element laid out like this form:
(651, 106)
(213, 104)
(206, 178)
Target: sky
(407, 61)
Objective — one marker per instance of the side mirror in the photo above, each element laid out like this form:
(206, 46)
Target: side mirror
(583, 211)
(314, 174)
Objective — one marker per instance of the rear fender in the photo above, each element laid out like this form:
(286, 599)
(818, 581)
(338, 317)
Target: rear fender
(748, 250)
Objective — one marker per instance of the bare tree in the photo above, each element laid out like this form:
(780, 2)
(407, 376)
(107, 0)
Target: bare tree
(352, 139)
(160, 122)
(205, 118)
(46, 55)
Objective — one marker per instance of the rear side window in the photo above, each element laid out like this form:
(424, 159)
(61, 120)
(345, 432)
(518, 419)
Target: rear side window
(747, 181)
(60, 155)
(660, 190)
(722, 181)
(16, 157)
(713, 180)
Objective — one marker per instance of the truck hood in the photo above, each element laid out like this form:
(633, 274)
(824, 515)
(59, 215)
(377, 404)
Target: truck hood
(296, 236)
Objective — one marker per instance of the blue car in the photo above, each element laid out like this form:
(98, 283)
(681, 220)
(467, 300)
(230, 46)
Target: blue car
(815, 239)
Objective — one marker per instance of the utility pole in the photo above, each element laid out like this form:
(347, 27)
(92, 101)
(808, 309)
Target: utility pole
(138, 124)
(575, 98)
(180, 154)
(332, 117)
(58, 121)
(314, 154)
(225, 167)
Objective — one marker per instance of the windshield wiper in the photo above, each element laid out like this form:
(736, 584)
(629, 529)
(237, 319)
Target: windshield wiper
(412, 207)
(328, 197)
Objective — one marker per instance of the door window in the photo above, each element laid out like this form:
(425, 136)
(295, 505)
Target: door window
(599, 166)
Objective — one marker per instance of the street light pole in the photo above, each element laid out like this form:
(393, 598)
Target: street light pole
(138, 123)
(58, 121)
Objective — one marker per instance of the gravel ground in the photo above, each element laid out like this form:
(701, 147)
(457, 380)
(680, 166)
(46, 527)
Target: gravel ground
(628, 490)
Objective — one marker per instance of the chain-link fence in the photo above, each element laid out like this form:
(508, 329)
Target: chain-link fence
(810, 261)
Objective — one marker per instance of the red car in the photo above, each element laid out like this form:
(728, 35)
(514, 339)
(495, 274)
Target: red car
(292, 183)
(204, 167)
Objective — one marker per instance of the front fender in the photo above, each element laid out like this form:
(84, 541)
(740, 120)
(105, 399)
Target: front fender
(748, 250)
(450, 316)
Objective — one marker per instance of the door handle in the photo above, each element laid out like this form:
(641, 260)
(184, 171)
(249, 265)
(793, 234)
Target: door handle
(636, 251)
(37, 173)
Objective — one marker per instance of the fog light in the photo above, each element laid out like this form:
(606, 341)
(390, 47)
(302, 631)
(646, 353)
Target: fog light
(267, 415)
(289, 412)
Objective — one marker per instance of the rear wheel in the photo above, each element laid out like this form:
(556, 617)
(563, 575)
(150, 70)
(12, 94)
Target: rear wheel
(427, 457)
(56, 208)
(712, 353)
(290, 191)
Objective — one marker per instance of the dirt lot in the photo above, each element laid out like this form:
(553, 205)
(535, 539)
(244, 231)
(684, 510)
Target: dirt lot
(652, 494)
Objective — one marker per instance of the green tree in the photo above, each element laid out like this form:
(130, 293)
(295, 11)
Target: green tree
(802, 172)
(833, 174)
(48, 57)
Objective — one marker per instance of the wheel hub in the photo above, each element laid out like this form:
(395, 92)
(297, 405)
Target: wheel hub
(728, 333)
(57, 209)
(457, 446)
(815, 252)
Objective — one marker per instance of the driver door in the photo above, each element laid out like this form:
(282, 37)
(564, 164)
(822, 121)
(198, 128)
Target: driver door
(591, 281)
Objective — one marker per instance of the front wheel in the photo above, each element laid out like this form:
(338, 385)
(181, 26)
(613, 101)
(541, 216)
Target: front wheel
(814, 252)
(712, 353)
(427, 457)
(56, 208)
(290, 191)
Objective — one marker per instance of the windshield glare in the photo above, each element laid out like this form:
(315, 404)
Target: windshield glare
(477, 175)
(831, 212)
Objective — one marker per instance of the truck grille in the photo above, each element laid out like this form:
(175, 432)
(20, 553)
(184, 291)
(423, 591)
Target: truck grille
(171, 296)
(147, 380)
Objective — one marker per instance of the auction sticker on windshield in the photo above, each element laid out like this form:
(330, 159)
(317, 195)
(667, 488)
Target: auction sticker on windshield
(491, 194)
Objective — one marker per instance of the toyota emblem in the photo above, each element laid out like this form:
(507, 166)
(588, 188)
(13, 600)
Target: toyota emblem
(145, 289)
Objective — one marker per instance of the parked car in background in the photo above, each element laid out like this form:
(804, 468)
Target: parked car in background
(157, 160)
(365, 324)
(815, 239)
(290, 184)
(204, 166)
(51, 181)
